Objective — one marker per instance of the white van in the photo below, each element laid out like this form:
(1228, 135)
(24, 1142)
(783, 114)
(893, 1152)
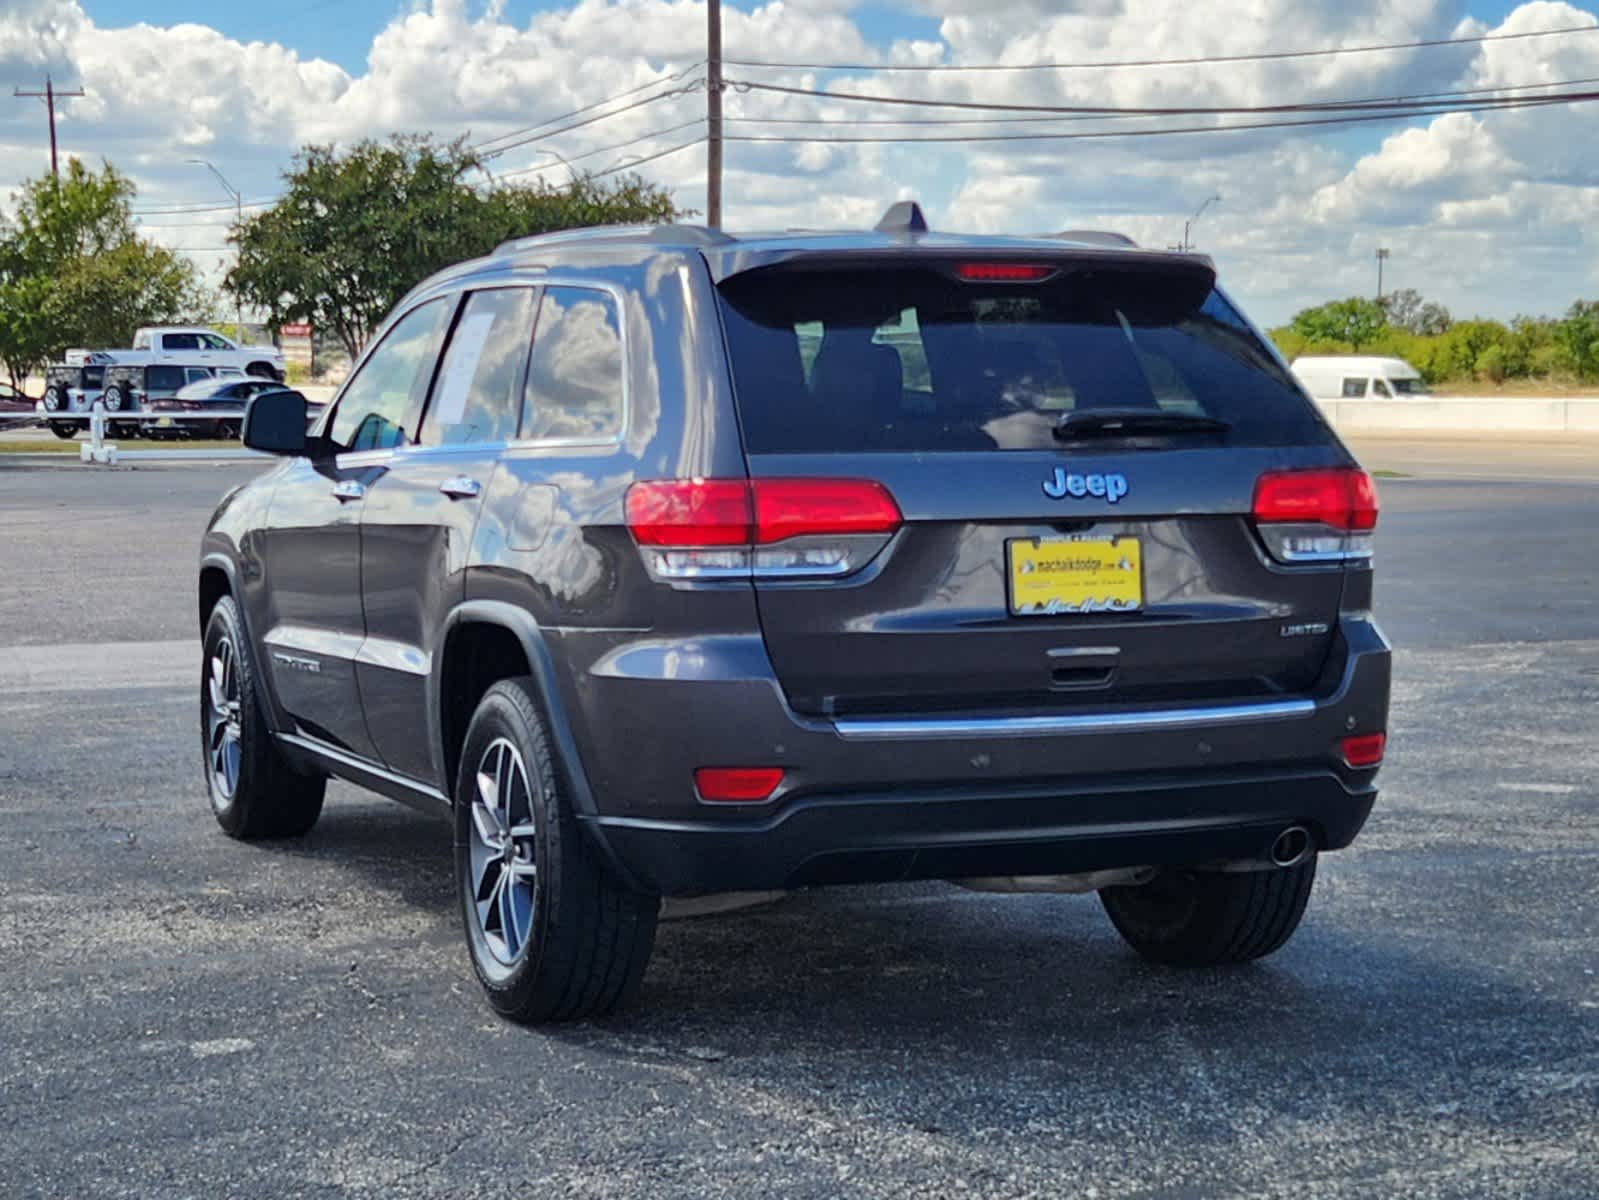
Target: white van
(1353, 377)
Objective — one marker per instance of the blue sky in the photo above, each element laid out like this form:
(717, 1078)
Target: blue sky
(1493, 214)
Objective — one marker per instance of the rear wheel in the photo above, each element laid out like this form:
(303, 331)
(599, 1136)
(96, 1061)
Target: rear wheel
(552, 935)
(64, 430)
(263, 370)
(1210, 918)
(254, 791)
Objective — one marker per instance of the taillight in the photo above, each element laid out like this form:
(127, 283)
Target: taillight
(1363, 749)
(1323, 515)
(737, 785)
(725, 528)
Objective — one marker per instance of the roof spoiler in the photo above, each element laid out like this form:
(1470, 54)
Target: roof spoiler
(1094, 237)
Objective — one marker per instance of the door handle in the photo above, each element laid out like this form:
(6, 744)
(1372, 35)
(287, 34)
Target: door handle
(461, 488)
(349, 489)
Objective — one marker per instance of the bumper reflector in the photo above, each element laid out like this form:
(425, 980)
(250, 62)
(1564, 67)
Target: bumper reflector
(737, 785)
(1364, 749)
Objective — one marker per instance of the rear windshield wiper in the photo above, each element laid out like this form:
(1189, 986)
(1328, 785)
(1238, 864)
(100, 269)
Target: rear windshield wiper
(1130, 422)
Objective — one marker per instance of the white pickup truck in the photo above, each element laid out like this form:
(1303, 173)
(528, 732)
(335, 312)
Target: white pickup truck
(194, 346)
(188, 347)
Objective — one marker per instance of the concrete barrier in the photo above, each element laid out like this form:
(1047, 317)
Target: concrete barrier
(1467, 414)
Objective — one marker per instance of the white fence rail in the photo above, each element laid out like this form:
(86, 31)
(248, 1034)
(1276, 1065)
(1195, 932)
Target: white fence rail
(98, 450)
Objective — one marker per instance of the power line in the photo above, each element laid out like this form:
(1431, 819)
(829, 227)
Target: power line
(1067, 114)
(1396, 103)
(187, 209)
(1207, 60)
(605, 116)
(1539, 102)
(1070, 116)
(571, 158)
(578, 112)
(628, 166)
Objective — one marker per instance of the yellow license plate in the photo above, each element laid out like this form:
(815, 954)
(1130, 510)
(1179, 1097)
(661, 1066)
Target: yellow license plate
(164, 423)
(1076, 575)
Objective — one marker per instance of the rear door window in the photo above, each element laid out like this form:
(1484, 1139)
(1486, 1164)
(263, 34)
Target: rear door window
(916, 361)
(1354, 389)
(475, 398)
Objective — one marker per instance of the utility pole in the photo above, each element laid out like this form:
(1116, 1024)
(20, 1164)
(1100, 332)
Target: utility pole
(1382, 257)
(238, 208)
(713, 113)
(49, 97)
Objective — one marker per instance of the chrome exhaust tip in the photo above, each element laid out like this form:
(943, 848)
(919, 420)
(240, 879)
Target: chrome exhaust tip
(1292, 847)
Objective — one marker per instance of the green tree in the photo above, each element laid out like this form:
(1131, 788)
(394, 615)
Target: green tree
(1407, 309)
(1578, 338)
(1352, 323)
(356, 229)
(74, 270)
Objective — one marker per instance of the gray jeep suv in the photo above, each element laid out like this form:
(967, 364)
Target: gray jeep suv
(669, 562)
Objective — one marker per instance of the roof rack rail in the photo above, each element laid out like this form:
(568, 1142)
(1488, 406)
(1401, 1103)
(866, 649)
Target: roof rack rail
(1096, 237)
(670, 235)
(904, 217)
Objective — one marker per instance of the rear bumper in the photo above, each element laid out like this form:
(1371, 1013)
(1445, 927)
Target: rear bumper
(867, 801)
(1069, 827)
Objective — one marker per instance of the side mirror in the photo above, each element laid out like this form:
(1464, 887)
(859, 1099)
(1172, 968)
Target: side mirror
(275, 422)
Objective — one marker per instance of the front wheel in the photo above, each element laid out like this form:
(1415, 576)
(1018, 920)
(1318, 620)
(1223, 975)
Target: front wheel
(254, 791)
(553, 936)
(1210, 918)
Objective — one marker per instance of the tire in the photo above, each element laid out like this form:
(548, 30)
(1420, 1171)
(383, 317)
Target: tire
(263, 370)
(552, 935)
(1211, 918)
(64, 430)
(113, 398)
(254, 791)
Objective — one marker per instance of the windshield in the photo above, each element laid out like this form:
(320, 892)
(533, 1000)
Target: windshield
(1410, 387)
(915, 361)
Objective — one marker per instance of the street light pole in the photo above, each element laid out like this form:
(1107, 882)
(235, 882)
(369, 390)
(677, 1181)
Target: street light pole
(1188, 225)
(238, 208)
(1382, 256)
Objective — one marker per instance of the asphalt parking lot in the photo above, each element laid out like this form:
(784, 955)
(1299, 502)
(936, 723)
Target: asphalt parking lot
(184, 1016)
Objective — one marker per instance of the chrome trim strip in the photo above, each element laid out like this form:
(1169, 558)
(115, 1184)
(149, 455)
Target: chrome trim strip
(323, 643)
(873, 729)
(390, 655)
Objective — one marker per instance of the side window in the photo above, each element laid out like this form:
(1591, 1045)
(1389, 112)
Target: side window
(474, 399)
(165, 379)
(210, 341)
(574, 374)
(384, 395)
(180, 341)
(191, 374)
(1354, 389)
(1381, 389)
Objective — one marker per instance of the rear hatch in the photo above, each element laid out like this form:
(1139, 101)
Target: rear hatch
(1075, 442)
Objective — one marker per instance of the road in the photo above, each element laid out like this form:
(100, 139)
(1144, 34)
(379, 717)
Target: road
(181, 1015)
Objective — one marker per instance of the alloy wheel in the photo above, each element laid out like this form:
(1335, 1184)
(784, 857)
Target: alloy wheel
(503, 852)
(223, 721)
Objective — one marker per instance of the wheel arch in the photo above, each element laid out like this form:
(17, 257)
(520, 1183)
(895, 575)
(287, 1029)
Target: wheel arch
(457, 683)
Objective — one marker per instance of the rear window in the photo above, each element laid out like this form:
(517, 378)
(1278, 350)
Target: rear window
(915, 361)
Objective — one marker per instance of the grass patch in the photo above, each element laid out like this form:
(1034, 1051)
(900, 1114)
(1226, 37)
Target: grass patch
(1390, 474)
(57, 446)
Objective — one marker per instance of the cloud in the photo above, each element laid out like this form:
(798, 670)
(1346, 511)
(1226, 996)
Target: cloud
(1302, 211)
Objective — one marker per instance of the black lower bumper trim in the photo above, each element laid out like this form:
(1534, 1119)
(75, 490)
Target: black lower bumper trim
(1033, 830)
